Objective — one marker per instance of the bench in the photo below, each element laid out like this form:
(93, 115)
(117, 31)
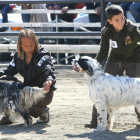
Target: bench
(57, 48)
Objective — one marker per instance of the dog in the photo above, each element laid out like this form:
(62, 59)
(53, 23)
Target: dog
(15, 100)
(107, 92)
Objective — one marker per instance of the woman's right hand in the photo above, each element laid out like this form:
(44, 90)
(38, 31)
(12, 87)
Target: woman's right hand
(47, 85)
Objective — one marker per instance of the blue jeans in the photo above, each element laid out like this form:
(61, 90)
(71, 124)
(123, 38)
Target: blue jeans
(5, 8)
(25, 17)
(135, 10)
(125, 7)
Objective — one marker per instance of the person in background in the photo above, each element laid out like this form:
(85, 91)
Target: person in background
(124, 5)
(5, 8)
(134, 8)
(93, 18)
(67, 18)
(122, 37)
(25, 17)
(34, 64)
(36, 17)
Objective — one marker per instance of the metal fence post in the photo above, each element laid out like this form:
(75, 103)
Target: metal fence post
(57, 19)
(103, 15)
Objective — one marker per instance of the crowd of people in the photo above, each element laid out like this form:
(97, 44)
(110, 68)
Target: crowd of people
(119, 34)
(127, 6)
(133, 7)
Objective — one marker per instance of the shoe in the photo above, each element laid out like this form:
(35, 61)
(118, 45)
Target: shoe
(44, 116)
(138, 114)
(91, 125)
(5, 120)
(87, 125)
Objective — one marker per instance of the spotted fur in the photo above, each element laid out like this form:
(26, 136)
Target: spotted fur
(15, 100)
(106, 91)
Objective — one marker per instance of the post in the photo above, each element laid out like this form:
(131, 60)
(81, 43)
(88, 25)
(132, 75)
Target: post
(103, 15)
(56, 20)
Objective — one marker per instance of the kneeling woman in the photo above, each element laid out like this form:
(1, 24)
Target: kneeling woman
(34, 64)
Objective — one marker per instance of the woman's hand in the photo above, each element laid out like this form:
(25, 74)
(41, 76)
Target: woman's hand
(47, 85)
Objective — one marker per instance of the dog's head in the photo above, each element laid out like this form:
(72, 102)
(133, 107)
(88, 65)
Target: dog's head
(83, 64)
(86, 64)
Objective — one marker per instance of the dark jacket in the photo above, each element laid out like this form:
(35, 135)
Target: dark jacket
(92, 5)
(36, 73)
(124, 53)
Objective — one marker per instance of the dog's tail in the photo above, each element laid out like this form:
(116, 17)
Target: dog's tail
(32, 95)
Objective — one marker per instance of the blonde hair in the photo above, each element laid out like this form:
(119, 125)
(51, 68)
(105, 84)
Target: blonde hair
(26, 33)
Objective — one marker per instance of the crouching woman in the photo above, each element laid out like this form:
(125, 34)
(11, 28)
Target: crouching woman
(34, 64)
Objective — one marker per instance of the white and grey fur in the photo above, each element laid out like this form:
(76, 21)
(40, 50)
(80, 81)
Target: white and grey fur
(107, 92)
(15, 100)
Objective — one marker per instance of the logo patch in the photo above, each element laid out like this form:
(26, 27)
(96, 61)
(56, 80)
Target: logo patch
(12, 63)
(41, 61)
(127, 40)
(113, 44)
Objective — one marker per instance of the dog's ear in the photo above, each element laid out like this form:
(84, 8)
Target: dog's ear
(89, 68)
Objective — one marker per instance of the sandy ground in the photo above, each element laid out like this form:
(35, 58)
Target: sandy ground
(70, 110)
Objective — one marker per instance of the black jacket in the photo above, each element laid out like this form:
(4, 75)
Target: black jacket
(36, 73)
(124, 53)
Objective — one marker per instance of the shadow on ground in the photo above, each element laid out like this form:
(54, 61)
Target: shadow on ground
(108, 135)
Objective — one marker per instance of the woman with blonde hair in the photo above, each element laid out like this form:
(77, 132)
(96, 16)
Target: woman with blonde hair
(34, 64)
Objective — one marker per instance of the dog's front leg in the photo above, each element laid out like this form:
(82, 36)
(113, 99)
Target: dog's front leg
(28, 122)
(26, 117)
(110, 118)
(101, 116)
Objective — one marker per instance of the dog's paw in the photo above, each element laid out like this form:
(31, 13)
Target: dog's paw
(94, 130)
(28, 123)
(109, 129)
(97, 130)
(25, 125)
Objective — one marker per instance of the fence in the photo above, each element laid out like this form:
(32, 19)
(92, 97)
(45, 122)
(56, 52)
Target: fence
(59, 48)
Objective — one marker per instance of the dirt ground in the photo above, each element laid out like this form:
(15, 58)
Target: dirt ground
(70, 110)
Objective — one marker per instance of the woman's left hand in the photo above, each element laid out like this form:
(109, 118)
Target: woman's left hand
(47, 85)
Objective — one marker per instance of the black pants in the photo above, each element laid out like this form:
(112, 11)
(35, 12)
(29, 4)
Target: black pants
(131, 70)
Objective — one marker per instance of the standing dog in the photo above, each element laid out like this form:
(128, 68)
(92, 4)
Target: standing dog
(15, 100)
(106, 91)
